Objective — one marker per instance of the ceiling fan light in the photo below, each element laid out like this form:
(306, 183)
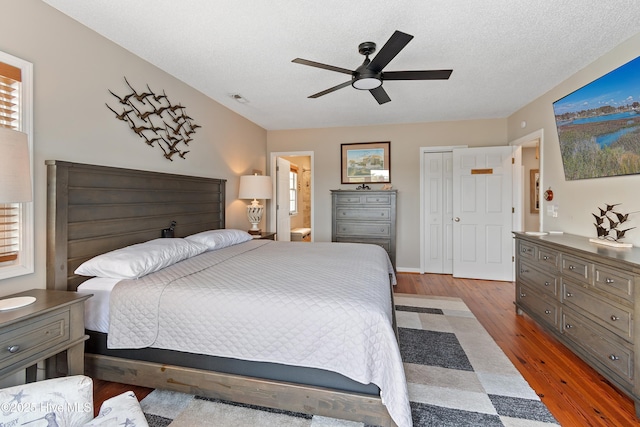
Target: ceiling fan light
(366, 83)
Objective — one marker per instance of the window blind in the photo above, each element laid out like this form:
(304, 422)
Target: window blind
(10, 80)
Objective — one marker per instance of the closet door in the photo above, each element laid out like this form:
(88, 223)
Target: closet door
(438, 212)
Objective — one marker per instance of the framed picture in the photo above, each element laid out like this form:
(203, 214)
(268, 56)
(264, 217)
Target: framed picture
(364, 162)
(534, 190)
(599, 126)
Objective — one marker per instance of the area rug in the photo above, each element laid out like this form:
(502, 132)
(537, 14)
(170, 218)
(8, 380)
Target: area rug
(456, 376)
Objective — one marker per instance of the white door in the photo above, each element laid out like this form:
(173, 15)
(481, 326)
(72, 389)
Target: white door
(283, 221)
(438, 215)
(482, 212)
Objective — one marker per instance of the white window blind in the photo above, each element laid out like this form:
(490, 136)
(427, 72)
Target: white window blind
(10, 81)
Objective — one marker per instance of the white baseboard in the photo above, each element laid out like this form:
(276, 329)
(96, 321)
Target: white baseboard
(407, 270)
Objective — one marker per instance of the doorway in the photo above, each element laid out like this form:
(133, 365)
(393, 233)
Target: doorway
(529, 183)
(291, 209)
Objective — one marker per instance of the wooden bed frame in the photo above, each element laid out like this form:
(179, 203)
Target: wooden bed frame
(95, 209)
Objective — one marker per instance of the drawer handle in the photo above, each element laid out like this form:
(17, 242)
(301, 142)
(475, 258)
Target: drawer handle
(545, 257)
(344, 213)
(13, 348)
(571, 267)
(547, 283)
(522, 295)
(523, 270)
(523, 250)
(547, 312)
(613, 357)
(568, 326)
(607, 280)
(569, 294)
(614, 317)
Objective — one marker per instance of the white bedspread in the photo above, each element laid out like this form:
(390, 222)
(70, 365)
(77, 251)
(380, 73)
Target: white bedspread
(324, 305)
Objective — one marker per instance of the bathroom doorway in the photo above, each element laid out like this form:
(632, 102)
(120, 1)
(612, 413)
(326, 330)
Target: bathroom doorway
(300, 196)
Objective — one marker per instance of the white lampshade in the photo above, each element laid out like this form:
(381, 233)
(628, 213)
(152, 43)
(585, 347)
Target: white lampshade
(15, 171)
(255, 187)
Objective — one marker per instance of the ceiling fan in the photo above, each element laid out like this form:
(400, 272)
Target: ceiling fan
(369, 76)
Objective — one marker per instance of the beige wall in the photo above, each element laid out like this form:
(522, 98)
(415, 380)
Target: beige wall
(406, 141)
(576, 200)
(73, 68)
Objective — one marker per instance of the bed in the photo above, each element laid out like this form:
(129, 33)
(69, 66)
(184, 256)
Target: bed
(95, 209)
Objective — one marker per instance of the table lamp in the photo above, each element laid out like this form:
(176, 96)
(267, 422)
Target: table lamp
(255, 187)
(15, 185)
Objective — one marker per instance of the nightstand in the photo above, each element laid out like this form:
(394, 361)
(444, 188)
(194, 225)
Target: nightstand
(52, 324)
(266, 235)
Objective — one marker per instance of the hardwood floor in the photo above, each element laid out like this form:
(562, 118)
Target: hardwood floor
(574, 393)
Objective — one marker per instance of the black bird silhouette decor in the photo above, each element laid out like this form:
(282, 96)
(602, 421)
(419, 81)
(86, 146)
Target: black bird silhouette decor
(148, 105)
(608, 221)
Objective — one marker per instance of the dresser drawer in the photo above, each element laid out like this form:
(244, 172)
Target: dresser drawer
(28, 338)
(613, 281)
(348, 199)
(527, 250)
(614, 355)
(540, 280)
(368, 214)
(377, 199)
(576, 268)
(548, 258)
(612, 317)
(541, 306)
(366, 199)
(345, 228)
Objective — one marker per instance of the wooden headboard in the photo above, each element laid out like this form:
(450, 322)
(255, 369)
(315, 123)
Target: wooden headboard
(95, 209)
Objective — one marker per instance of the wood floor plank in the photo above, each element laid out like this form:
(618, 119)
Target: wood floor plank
(574, 393)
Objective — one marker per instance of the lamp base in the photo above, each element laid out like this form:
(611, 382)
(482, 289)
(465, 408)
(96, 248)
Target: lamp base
(254, 232)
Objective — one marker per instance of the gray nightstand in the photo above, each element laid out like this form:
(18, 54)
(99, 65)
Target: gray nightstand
(52, 324)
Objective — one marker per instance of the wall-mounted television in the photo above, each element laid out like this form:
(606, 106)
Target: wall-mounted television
(599, 125)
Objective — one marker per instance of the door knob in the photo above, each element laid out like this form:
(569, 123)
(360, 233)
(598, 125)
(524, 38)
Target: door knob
(456, 219)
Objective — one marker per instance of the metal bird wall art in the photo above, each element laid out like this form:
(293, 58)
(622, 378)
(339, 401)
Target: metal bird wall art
(609, 223)
(138, 108)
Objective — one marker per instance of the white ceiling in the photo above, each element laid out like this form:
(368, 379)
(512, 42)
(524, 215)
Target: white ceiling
(504, 53)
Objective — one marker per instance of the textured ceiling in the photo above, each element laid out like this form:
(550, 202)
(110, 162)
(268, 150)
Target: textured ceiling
(504, 53)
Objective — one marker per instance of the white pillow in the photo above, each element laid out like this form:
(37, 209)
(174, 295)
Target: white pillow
(218, 239)
(135, 261)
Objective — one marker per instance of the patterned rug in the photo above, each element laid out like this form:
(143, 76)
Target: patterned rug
(457, 376)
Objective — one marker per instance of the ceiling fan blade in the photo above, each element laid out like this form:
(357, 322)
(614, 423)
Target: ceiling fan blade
(331, 89)
(323, 66)
(391, 48)
(417, 75)
(380, 95)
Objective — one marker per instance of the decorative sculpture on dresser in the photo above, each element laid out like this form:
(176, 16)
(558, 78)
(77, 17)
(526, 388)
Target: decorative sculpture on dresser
(137, 111)
(608, 223)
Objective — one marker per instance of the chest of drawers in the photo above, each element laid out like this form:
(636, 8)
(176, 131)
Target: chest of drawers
(365, 216)
(586, 295)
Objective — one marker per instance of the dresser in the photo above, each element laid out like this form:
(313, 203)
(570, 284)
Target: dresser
(365, 216)
(53, 324)
(585, 294)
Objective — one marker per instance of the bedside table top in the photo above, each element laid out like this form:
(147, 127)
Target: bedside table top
(46, 300)
(265, 235)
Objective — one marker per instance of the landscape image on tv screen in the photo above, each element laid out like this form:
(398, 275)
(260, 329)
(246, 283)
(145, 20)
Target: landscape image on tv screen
(599, 125)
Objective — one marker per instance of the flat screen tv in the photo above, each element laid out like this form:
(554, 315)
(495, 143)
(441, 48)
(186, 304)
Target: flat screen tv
(599, 125)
